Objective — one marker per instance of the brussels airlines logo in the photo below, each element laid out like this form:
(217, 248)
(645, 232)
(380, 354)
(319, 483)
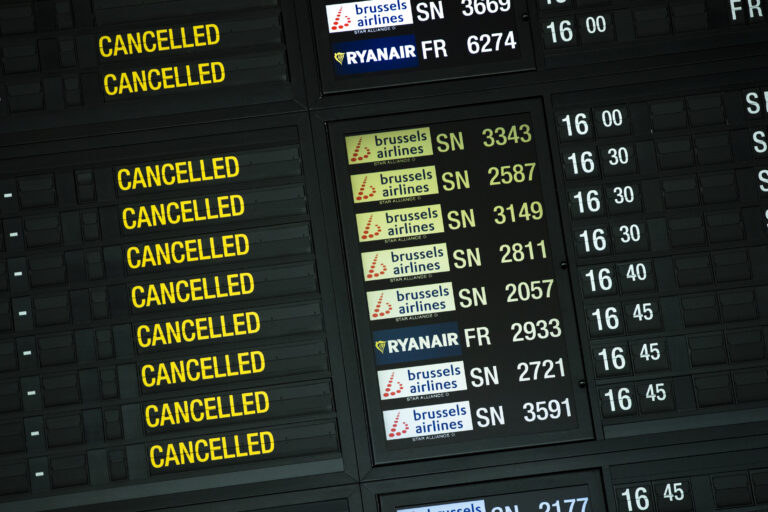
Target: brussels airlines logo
(422, 380)
(399, 223)
(405, 262)
(386, 185)
(410, 301)
(371, 14)
(464, 506)
(371, 55)
(382, 146)
(428, 420)
(418, 343)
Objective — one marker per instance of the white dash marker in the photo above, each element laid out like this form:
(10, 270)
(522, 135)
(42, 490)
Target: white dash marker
(14, 234)
(22, 313)
(31, 393)
(27, 353)
(7, 195)
(38, 474)
(18, 274)
(34, 433)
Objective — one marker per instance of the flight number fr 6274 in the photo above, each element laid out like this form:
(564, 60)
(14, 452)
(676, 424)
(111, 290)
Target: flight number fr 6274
(491, 43)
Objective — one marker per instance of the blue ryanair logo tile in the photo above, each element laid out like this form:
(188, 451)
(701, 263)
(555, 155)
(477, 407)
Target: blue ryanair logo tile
(379, 54)
(417, 343)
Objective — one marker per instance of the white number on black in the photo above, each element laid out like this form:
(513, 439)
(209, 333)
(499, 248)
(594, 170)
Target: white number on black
(594, 241)
(576, 124)
(642, 312)
(611, 118)
(566, 505)
(588, 201)
(546, 410)
(623, 195)
(630, 233)
(544, 370)
(656, 392)
(480, 7)
(639, 501)
(637, 272)
(613, 360)
(607, 318)
(650, 351)
(620, 400)
(596, 24)
(560, 32)
(489, 43)
(583, 163)
(674, 491)
(601, 279)
(618, 156)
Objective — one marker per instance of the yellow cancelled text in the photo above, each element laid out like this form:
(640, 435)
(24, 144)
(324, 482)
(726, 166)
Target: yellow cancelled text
(191, 290)
(205, 328)
(187, 251)
(159, 40)
(183, 212)
(168, 174)
(169, 77)
(213, 449)
(196, 369)
(211, 408)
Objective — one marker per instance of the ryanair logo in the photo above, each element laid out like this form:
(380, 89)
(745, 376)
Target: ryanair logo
(372, 55)
(417, 343)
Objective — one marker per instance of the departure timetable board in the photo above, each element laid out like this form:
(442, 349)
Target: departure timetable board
(455, 222)
(384, 255)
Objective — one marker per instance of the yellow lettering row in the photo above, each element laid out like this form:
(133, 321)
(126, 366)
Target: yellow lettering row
(191, 290)
(187, 251)
(195, 369)
(198, 329)
(170, 77)
(159, 40)
(199, 410)
(211, 449)
(177, 173)
(183, 212)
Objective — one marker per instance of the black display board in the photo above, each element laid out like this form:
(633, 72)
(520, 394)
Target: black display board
(384, 255)
(464, 322)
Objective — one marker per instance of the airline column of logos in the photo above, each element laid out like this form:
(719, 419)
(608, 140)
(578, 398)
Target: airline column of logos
(460, 285)
(374, 43)
(666, 199)
(165, 314)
